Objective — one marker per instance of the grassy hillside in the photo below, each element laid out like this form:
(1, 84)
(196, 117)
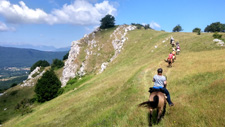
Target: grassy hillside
(16, 57)
(11, 98)
(196, 83)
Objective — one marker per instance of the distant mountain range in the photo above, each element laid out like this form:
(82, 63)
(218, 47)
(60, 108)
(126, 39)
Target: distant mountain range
(37, 47)
(18, 57)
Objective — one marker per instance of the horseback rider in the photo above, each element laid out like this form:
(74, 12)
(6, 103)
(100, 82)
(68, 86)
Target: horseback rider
(170, 58)
(174, 54)
(160, 83)
(171, 39)
(178, 49)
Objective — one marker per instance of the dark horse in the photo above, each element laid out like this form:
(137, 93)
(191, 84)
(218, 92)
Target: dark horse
(157, 100)
(169, 61)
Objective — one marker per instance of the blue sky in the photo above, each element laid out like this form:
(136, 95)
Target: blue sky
(59, 22)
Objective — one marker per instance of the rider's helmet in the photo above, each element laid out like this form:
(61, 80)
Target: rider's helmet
(160, 70)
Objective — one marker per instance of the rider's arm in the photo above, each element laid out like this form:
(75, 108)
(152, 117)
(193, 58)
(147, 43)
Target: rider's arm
(165, 84)
(153, 80)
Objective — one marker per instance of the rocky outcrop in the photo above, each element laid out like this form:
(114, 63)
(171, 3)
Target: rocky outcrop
(77, 67)
(33, 77)
(119, 36)
(71, 66)
(219, 42)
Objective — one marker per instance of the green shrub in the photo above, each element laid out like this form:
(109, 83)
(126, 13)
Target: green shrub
(24, 107)
(197, 30)
(13, 93)
(40, 63)
(138, 25)
(199, 33)
(47, 87)
(72, 81)
(60, 91)
(14, 84)
(217, 35)
(147, 26)
(56, 64)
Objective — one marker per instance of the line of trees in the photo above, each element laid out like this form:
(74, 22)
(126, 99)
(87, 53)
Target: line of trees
(109, 21)
(213, 27)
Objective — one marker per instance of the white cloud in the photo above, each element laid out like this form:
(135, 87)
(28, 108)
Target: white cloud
(4, 27)
(80, 12)
(155, 25)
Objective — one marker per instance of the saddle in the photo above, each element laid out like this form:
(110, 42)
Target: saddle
(151, 89)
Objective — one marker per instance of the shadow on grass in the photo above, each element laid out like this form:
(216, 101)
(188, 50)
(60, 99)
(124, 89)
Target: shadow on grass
(154, 118)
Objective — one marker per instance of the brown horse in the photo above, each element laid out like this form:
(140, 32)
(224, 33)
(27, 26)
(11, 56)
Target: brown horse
(169, 61)
(157, 100)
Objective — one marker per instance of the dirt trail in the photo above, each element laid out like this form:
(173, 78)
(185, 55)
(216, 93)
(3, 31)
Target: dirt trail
(151, 71)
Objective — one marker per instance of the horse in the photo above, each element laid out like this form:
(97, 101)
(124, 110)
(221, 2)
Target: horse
(178, 51)
(173, 43)
(157, 100)
(169, 62)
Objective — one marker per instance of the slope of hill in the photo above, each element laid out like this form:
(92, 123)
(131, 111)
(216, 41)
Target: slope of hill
(16, 57)
(196, 83)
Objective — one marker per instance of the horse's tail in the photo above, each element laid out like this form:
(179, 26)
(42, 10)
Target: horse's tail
(152, 104)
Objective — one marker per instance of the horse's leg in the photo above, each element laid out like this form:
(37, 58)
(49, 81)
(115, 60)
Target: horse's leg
(164, 110)
(170, 63)
(159, 114)
(150, 117)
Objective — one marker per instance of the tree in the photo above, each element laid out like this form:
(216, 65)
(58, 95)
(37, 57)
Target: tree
(215, 27)
(13, 85)
(56, 64)
(47, 87)
(177, 28)
(42, 63)
(66, 56)
(107, 22)
(197, 30)
(147, 26)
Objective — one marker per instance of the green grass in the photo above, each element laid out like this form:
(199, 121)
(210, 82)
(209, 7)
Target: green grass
(76, 82)
(11, 98)
(196, 84)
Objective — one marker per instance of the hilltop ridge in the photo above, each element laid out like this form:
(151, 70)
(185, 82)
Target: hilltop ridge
(195, 82)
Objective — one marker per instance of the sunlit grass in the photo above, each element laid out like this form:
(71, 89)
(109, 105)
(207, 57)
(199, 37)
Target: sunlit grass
(111, 98)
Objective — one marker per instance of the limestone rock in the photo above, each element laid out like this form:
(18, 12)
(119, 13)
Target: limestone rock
(219, 42)
(71, 66)
(119, 36)
(33, 77)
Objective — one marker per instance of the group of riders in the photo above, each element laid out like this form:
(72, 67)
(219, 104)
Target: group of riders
(175, 51)
(159, 80)
(159, 93)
